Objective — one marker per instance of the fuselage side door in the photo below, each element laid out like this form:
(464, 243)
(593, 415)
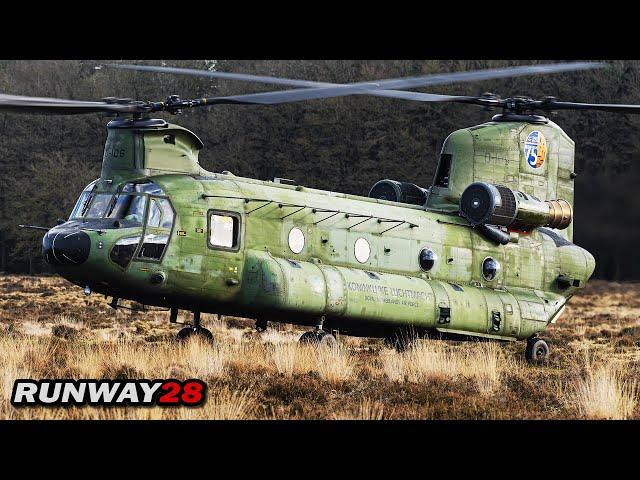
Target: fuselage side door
(224, 254)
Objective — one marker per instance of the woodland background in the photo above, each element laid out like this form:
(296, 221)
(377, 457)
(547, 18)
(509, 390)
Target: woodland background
(344, 144)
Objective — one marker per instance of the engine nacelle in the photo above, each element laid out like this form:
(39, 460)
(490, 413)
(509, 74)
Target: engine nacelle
(401, 192)
(487, 204)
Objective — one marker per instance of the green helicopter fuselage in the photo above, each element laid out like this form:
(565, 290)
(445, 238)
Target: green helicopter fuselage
(158, 229)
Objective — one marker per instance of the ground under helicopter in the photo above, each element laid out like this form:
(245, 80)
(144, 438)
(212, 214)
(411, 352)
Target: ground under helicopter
(485, 252)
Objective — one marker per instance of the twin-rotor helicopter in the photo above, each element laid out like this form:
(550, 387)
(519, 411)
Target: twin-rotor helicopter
(485, 252)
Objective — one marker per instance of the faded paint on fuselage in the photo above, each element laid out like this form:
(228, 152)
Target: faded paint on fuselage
(265, 279)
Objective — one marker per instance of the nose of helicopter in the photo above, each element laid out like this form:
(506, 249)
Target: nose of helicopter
(60, 247)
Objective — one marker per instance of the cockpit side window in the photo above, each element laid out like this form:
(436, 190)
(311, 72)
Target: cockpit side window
(157, 230)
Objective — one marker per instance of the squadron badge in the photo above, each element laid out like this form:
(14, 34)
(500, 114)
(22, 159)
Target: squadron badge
(535, 149)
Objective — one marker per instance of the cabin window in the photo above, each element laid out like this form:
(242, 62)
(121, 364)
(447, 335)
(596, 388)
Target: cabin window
(296, 240)
(490, 269)
(362, 250)
(427, 259)
(224, 230)
(444, 171)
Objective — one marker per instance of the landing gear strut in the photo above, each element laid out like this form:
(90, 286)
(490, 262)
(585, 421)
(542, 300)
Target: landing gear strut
(537, 350)
(261, 325)
(194, 329)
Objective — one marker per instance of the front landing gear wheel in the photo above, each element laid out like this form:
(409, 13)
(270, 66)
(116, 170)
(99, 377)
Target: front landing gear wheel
(188, 332)
(537, 350)
(319, 338)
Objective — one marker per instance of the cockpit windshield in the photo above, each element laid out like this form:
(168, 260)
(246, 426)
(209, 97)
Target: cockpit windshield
(128, 203)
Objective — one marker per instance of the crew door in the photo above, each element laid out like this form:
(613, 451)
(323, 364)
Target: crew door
(224, 254)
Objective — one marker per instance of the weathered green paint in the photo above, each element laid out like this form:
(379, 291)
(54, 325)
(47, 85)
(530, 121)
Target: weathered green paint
(493, 152)
(265, 279)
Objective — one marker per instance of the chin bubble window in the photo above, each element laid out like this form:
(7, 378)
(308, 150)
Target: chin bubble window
(123, 250)
(153, 246)
(427, 259)
(224, 231)
(490, 269)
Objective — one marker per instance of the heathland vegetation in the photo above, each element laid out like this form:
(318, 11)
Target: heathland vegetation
(49, 329)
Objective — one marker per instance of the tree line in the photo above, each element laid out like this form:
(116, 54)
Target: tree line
(344, 144)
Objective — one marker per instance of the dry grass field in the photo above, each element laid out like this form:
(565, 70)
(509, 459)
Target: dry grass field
(49, 329)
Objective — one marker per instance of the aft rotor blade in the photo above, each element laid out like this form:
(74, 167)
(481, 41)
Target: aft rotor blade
(489, 74)
(271, 98)
(602, 107)
(20, 104)
(318, 90)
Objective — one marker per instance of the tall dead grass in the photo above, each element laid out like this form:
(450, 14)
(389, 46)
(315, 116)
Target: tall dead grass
(483, 362)
(606, 391)
(331, 364)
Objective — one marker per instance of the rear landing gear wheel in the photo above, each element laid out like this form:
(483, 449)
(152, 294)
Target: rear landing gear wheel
(537, 350)
(319, 338)
(188, 332)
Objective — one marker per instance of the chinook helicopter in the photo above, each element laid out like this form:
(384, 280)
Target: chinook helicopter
(485, 252)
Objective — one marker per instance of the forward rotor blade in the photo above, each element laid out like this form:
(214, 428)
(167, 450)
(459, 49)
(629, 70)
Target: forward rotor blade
(383, 88)
(224, 75)
(20, 104)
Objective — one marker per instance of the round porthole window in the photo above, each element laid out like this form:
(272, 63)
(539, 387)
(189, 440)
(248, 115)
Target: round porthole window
(427, 259)
(490, 268)
(362, 250)
(296, 240)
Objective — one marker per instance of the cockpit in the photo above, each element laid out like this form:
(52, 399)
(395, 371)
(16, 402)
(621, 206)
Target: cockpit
(141, 211)
(129, 203)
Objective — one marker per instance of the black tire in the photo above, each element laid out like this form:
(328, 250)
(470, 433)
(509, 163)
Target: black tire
(325, 339)
(309, 338)
(537, 351)
(322, 339)
(187, 332)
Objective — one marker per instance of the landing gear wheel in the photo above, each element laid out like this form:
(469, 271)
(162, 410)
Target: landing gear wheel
(537, 350)
(325, 339)
(308, 338)
(321, 338)
(188, 332)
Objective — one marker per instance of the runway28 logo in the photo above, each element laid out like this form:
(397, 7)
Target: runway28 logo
(108, 393)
